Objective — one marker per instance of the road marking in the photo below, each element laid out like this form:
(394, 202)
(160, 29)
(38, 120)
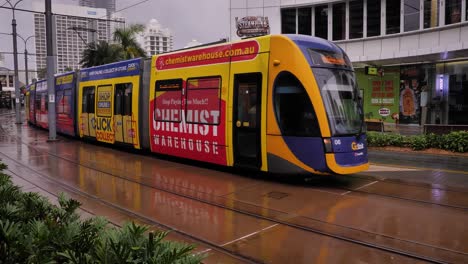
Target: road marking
(364, 186)
(373, 164)
(380, 168)
(202, 252)
(249, 235)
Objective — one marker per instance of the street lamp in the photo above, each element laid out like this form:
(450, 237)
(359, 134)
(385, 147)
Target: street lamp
(26, 54)
(15, 56)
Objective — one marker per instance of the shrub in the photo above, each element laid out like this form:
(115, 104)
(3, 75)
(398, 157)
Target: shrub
(34, 231)
(418, 142)
(456, 141)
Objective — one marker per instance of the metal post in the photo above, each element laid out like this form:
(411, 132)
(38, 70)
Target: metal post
(26, 64)
(15, 62)
(50, 71)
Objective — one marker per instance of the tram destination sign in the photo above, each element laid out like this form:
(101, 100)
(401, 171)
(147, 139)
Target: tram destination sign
(251, 26)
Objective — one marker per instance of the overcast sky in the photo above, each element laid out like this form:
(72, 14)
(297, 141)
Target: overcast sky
(203, 20)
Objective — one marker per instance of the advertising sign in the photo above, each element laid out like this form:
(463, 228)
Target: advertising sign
(189, 126)
(380, 94)
(241, 51)
(413, 82)
(104, 123)
(113, 70)
(251, 26)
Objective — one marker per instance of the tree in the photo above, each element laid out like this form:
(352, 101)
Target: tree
(68, 69)
(101, 53)
(41, 73)
(126, 38)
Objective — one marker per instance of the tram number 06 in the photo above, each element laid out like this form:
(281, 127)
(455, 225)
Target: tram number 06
(337, 142)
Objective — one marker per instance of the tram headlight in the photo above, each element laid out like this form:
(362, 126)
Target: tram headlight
(328, 145)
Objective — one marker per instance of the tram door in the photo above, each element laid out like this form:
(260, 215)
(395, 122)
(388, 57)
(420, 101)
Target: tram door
(87, 112)
(247, 112)
(124, 131)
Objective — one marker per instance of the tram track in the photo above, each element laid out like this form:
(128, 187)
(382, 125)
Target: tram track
(362, 190)
(131, 214)
(344, 233)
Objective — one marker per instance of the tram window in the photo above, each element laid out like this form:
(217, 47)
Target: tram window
(91, 100)
(38, 102)
(59, 102)
(88, 100)
(203, 97)
(128, 101)
(123, 99)
(67, 102)
(118, 99)
(294, 111)
(46, 102)
(168, 100)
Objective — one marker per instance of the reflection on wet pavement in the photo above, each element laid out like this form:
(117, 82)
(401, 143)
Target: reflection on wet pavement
(260, 218)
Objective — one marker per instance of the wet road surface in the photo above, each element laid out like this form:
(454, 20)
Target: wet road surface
(385, 215)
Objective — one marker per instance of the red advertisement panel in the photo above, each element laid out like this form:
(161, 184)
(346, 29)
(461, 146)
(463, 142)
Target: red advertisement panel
(169, 105)
(203, 142)
(213, 55)
(203, 101)
(212, 82)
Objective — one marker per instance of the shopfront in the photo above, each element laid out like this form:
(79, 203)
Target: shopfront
(450, 100)
(417, 94)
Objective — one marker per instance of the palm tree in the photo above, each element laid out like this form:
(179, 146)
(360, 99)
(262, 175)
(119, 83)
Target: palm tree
(101, 53)
(126, 38)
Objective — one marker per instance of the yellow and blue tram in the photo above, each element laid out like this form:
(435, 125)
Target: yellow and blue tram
(278, 103)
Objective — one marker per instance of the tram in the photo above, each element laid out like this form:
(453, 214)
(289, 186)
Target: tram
(277, 103)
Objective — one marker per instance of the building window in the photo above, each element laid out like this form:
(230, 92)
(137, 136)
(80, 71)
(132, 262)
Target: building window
(305, 21)
(452, 11)
(373, 18)
(321, 21)
(393, 16)
(356, 13)
(411, 9)
(288, 21)
(339, 18)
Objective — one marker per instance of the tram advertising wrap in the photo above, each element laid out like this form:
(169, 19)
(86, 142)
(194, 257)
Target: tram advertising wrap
(277, 103)
(108, 107)
(65, 86)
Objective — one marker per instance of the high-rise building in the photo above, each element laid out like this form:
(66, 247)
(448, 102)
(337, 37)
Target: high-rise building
(114, 17)
(74, 30)
(156, 39)
(109, 5)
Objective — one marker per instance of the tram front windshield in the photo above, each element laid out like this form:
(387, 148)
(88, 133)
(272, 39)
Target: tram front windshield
(336, 80)
(340, 97)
